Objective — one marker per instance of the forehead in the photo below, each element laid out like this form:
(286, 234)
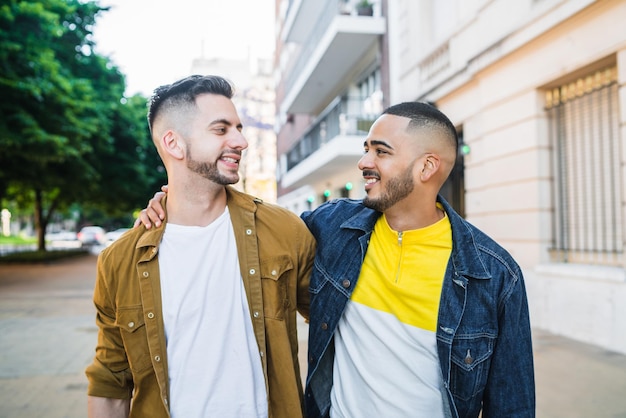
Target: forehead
(216, 105)
(391, 129)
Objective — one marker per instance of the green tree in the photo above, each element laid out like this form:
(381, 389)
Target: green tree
(67, 133)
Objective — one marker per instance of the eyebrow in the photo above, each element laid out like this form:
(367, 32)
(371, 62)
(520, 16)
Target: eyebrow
(225, 122)
(377, 142)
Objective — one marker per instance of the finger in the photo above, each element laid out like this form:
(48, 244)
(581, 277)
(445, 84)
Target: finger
(155, 205)
(164, 188)
(145, 219)
(152, 216)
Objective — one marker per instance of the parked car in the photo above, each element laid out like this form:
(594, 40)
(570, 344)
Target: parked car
(91, 235)
(61, 236)
(111, 236)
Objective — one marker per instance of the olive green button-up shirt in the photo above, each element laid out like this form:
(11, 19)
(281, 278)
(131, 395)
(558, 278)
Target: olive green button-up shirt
(275, 252)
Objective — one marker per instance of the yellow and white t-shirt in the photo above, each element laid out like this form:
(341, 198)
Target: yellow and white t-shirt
(386, 362)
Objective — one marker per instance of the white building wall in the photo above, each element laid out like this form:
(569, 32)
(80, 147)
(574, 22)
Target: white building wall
(488, 74)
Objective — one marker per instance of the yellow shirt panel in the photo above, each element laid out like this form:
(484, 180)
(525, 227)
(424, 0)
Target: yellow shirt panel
(403, 272)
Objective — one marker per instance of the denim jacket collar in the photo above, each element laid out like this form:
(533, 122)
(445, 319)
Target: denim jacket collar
(464, 258)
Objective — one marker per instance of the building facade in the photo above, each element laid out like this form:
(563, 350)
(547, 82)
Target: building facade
(329, 77)
(537, 90)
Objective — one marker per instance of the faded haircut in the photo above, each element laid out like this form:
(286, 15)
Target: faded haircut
(424, 115)
(183, 93)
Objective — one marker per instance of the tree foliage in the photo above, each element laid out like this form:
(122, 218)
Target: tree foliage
(67, 133)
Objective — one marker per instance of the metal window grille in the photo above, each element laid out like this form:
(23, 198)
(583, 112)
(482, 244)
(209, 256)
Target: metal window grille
(584, 129)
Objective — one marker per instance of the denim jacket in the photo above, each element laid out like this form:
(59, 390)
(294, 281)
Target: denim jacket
(483, 331)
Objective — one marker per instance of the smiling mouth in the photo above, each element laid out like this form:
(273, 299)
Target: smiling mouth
(370, 177)
(230, 160)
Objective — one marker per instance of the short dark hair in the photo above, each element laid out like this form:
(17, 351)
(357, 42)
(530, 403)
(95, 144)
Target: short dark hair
(185, 92)
(423, 114)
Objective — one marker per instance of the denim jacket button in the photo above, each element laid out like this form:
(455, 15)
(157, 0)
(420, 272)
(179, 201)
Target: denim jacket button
(324, 326)
(346, 283)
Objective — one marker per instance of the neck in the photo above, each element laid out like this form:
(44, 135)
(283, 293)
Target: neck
(403, 218)
(193, 206)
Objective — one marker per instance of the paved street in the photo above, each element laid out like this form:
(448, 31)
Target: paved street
(47, 337)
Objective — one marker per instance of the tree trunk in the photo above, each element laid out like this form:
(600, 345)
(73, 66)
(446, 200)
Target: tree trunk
(40, 221)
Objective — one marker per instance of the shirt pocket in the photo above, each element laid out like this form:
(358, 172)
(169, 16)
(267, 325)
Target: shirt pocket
(133, 329)
(276, 272)
(471, 358)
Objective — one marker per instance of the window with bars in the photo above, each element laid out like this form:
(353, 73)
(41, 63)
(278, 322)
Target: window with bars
(584, 132)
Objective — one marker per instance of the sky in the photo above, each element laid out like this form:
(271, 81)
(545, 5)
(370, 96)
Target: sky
(154, 42)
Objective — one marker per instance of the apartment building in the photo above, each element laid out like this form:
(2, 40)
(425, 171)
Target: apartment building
(328, 73)
(537, 90)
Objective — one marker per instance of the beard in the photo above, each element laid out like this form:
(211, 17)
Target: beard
(396, 189)
(210, 171)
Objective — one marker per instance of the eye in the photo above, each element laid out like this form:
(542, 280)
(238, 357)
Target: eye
(220, 129)
(381, 151)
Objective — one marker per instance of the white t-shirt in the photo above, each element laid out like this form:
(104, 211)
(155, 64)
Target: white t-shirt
(213, 359)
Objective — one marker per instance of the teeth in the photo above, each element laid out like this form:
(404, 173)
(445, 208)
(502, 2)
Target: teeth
(370, 181)
(230, 160)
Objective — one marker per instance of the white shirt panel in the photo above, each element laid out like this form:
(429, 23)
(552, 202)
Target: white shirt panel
(384, 368)
(214, 364)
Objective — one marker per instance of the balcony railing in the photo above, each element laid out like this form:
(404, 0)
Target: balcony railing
(343, 117)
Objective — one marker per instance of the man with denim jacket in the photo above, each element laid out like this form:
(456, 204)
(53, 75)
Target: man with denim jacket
(414, 311)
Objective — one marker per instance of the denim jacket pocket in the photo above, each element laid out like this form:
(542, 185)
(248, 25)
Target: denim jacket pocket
(470, 365)
(275, 273)
(133, 329)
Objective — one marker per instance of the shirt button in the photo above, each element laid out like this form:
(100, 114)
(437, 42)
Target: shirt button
(252, 271)
(150, 315)
(157, 358)
(273, 272)
(468, 358)
(261, 353)
(324, 326)
(256, 314)
(154, 250)
(146, 274)
(131, 324)
(248, 232)
(346, 283)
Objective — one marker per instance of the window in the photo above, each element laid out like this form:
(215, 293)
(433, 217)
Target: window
(584, 133)
(453, 190)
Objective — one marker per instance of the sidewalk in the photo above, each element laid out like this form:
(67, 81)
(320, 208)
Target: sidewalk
(47, 338)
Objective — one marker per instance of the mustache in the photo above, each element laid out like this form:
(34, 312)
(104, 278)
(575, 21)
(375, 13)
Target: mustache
(370, 173)
(231, 151)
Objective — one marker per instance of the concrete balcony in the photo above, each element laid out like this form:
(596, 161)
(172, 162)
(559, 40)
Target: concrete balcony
(334, 43)
(332, 144)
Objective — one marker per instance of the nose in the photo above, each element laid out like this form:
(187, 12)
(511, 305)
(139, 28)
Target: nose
(237, 140)
(365, 162)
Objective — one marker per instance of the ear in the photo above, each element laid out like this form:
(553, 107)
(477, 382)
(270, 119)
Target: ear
(173, 145)
(430, 166)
